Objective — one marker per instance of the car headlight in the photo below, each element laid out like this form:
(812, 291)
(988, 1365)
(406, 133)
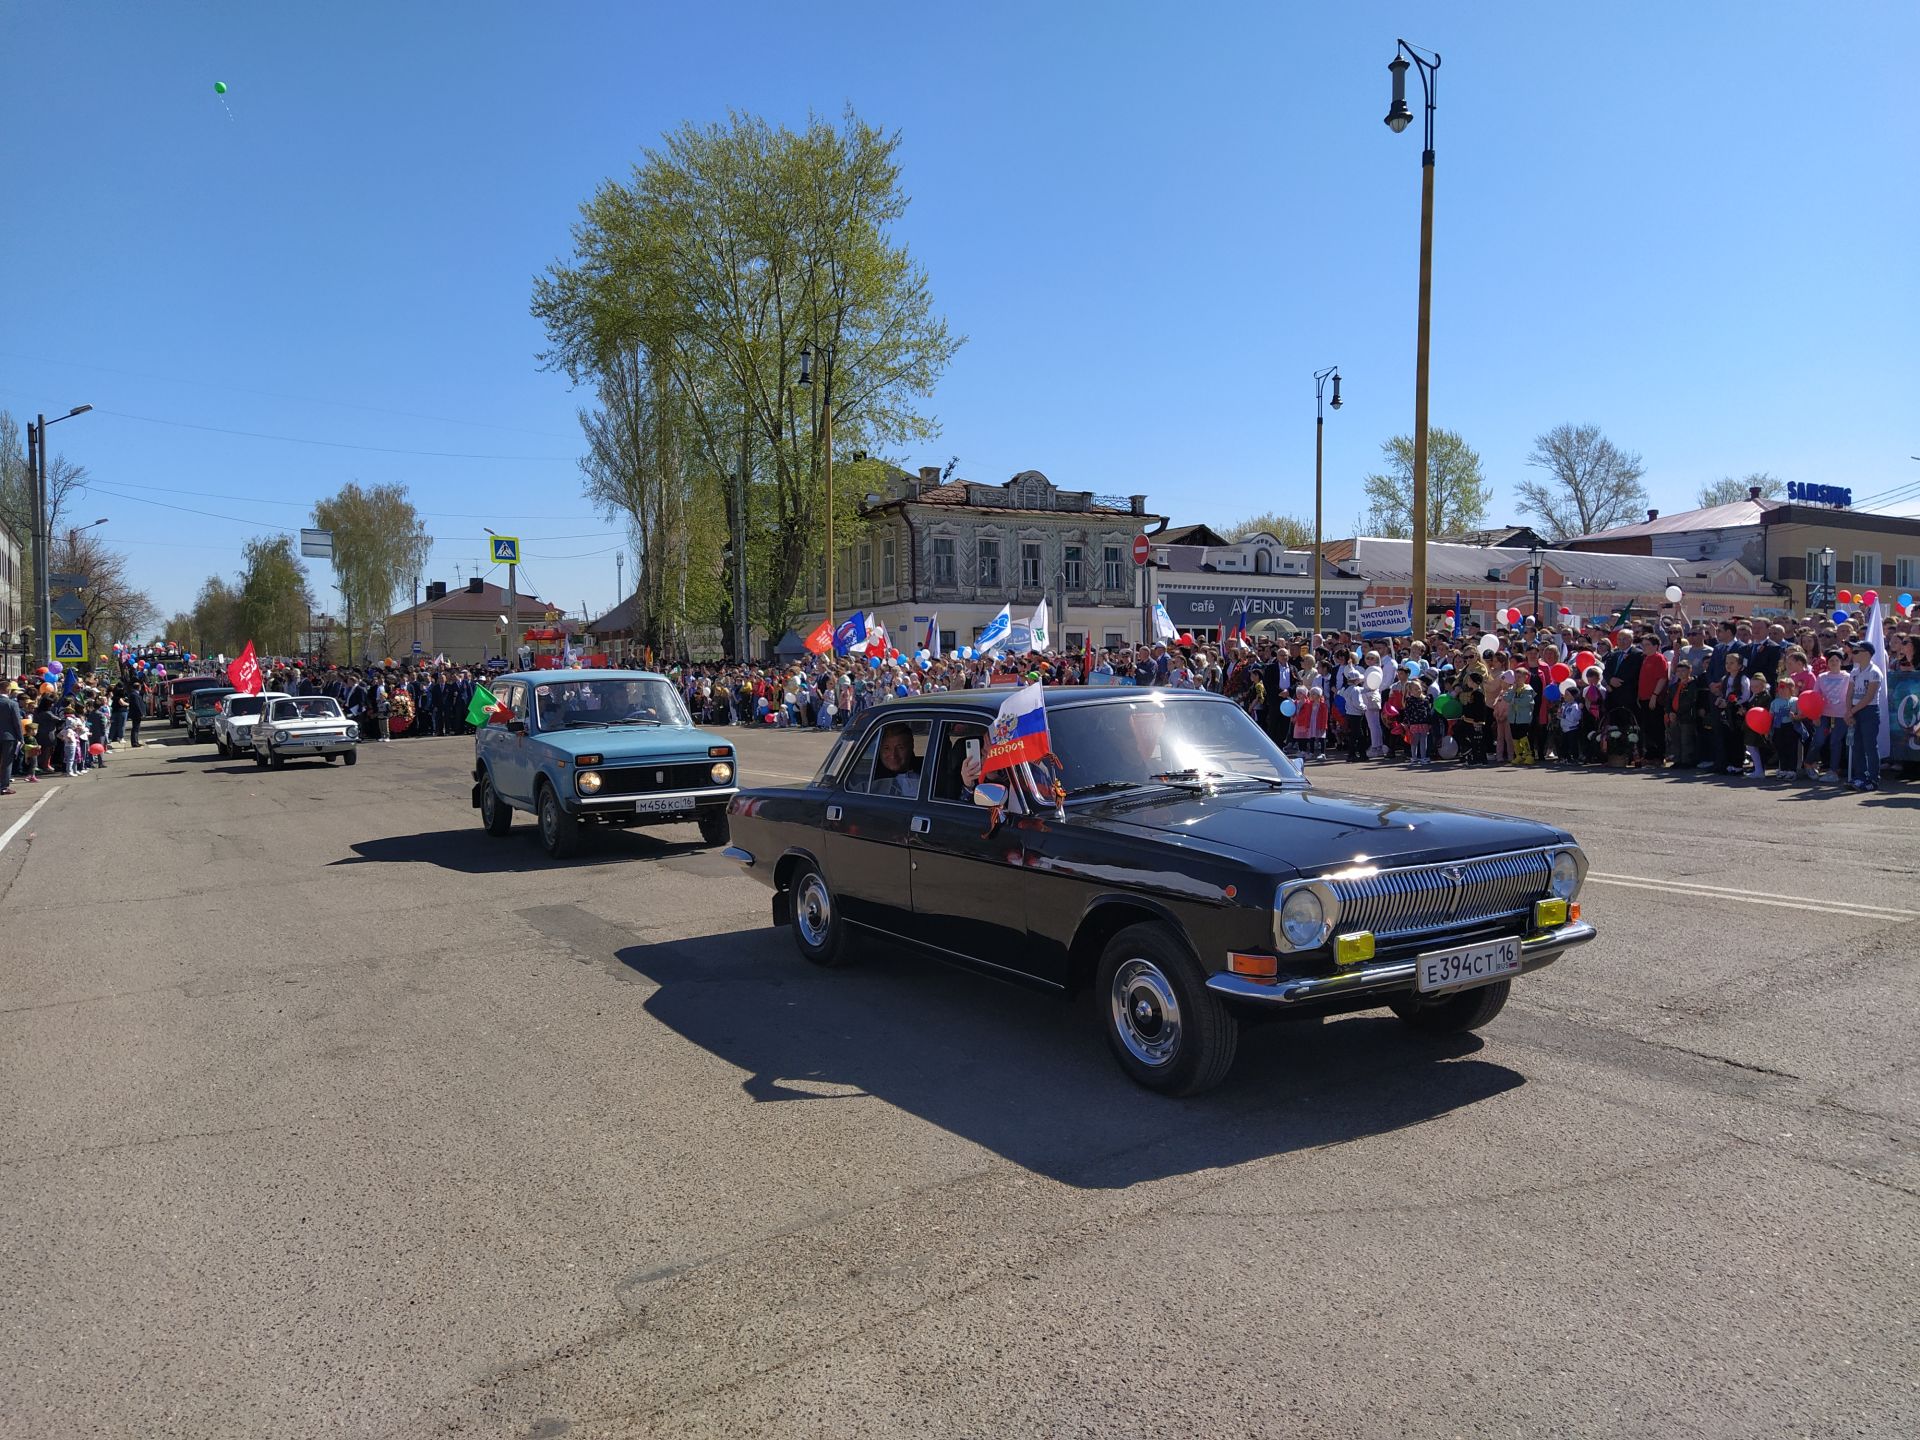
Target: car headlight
(353, 732)
(722, 773)
(589, 782)
(1304, 922)
(1568, 872)
(279, 737)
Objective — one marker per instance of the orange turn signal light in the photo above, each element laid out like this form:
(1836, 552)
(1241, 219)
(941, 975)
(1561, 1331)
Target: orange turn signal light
(1573, 910)
(1254, 967)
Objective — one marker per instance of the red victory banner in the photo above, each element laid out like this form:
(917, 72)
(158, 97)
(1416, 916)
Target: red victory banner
(244, 673)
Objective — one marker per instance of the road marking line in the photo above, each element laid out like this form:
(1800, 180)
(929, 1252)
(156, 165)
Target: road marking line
(1785, 902)
(15, 828)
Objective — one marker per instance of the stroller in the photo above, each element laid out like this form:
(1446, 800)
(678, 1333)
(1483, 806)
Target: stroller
(1620, 737)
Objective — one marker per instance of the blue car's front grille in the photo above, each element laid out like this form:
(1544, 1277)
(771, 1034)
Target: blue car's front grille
(645, 778)
(1433, 897)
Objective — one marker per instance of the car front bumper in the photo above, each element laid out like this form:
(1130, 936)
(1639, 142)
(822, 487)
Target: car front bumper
(663, 805)
(312, 745)
(1385, 977)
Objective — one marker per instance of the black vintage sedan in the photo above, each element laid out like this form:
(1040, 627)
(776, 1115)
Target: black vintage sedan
(1168, 854)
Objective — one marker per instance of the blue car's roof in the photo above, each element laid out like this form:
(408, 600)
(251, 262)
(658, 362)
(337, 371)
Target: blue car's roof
(548, 677)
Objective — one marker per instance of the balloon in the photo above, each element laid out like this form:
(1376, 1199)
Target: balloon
(1812, 704)
(1565, 613)
(1287, 708)
(1584, 661)
(1374, 679)
(1872, 597)
(1845, 597)
(1553, 694)
(873, 662)
(1906, 600)
(96, 748)
(1673, 593)
(1758, 720)
(1839, 617)
(1488, 644)
(1447, 707)
(219, 87)
(1559, 674)
(1513, 615)
(966, 652)
(926, 661)
(1185, 639)
(900, 690)
(1447, 616)
(1414, 667)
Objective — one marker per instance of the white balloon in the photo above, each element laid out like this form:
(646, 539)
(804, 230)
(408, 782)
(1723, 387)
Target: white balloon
(1488, 644)
(1374, 678)
(1673, 594)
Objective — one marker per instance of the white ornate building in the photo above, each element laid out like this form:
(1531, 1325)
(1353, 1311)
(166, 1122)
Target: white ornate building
(961, 550)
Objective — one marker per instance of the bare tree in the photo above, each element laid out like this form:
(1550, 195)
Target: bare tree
(16, 487)
(111, 607)
(1592, 485)
(1726, 490)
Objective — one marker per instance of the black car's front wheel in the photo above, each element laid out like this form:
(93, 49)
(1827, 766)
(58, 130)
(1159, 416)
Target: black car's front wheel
(1168, 1031)
(713, 826)
(818, 930)
(1453, 1014)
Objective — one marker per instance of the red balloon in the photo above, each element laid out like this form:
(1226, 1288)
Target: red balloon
(1585, 661)
(1560, 674)
(1758, 720)
(1812, 704)
(1846, 597)
(1872, 597)
(96, 748)
(1186, 639)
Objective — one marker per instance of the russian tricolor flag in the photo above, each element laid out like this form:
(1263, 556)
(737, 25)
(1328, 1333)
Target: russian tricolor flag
(1018, 733)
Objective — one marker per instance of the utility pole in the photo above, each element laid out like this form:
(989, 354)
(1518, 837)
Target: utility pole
(513, 616)
(42, 618)
(416, 612)
(742, 629)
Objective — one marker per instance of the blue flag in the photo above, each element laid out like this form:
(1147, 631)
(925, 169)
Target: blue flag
(1459, 616)
(851, 632)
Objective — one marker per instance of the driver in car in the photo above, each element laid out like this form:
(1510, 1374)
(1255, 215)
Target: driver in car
(896, 769)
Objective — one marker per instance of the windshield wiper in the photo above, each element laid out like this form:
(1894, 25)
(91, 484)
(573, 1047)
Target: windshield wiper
(571, 722)
(637, 720)
(1187, 779)
(1278, 782)
(1102, 787)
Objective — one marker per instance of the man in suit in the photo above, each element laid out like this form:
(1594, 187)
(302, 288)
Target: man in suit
(136, 710)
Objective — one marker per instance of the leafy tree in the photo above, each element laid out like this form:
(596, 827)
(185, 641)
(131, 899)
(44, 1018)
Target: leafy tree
(732, 248)
(1726, 490)
(1457, 494)
(1592, 484)
(179, 629)
(273, 600)
(111, 606)
(215, 619)
(379, 545)
(1289, 530)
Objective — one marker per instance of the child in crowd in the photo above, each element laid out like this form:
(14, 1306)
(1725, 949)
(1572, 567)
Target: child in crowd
(1758, 694)
(1500, 686)
(1310, 721)
(1522, 705)
(1416, 713)
(1786, 729)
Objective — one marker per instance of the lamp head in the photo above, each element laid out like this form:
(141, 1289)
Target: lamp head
(1398, 115)
(78, 410)
(1336, 390)
(806, 364)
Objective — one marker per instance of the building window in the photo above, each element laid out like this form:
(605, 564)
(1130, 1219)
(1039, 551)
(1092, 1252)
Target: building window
(942, 562)
(990, 564)
(1029, 565)
(842, 575)
(820, 580)
(886, 563)
(949, 641)
(1074, 566)
(1866, 568)
(1075, 640)
(1906, 573)
(1111, 562)
(866, 568)
(1113, 641)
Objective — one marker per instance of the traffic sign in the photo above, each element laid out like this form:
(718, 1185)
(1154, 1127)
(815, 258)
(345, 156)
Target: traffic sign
(506, 549)
(416, 647)
(1142, 548)
(70, 645)
(316, 544)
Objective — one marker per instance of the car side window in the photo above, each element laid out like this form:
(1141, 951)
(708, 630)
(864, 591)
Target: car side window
(512, 697)
(949, 781)
(891, 760)
(284, 710)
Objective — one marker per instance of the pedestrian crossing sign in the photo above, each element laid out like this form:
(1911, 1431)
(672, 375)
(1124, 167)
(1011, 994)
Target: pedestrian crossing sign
(506, 549)
(70, 645)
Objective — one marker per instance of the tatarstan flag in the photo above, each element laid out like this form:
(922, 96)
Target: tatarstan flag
(482, 702)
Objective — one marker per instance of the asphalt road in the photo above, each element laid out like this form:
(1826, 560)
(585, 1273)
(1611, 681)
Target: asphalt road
(322, 1113)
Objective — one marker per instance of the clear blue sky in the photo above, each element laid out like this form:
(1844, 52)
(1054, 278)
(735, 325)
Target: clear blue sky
(1694, 225)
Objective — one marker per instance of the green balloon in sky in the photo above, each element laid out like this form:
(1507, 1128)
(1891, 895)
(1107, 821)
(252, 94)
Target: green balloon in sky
(219, 87)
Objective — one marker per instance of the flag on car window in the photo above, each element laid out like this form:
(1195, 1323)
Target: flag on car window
(1018, 733)
(478, 707)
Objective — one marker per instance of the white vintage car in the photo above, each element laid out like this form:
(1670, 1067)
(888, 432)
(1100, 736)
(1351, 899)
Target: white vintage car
(295, 727)
(233, 726)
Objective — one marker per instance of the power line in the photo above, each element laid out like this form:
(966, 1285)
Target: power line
(281, 395)
(329, 444)
(304, 505)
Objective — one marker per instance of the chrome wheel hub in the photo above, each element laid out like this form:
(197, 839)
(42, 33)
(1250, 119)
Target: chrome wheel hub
(813, 911)
(1146, 1014)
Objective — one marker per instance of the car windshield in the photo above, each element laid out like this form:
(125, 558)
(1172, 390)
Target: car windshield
(1107, 748)
(312, 707)
(207, 699)
(244, 705)
(560, 704)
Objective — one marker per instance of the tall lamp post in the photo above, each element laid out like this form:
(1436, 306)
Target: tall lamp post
(1826, 578)
(1534, 561)
(42, 525)
(1398, 118)
(1320, 378)
(826, 421)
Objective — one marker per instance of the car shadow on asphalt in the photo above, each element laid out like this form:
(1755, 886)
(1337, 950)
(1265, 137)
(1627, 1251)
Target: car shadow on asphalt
(1027, 1075)
(471, 851)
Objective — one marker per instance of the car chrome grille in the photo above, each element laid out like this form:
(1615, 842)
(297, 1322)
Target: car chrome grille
(651, 776)
(1436, 897)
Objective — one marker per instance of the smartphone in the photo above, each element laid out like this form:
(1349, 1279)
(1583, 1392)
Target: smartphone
(973, 751)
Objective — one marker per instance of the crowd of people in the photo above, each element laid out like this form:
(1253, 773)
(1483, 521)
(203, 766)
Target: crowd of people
(1756, 698)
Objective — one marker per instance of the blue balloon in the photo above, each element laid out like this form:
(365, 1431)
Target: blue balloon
(1414, 668)
(926, 661)
(873, 662)
(900, 690)
(1839, 617)
(1906, 599)
(1553, 694)
(966, 652)
(1287, 707)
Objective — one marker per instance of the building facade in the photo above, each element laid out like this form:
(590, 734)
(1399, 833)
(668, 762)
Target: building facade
(464, 624)
(1809, 551)
(960, 550)
(16, 602)
(1204, 580)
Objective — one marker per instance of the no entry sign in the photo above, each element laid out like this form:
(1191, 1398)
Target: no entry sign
(1141, 549)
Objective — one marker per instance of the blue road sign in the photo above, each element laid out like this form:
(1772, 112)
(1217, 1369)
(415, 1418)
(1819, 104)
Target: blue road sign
(506, 549)
(70, 645)
(416, 647)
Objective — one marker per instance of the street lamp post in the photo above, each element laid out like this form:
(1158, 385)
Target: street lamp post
(43, 524)
(826, 421)
(1826, 578)
(1320, 378)
(1534, 562)
(1398, 118)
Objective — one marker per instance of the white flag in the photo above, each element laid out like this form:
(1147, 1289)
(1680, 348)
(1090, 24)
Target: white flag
(1877, 638)
(1041, 640)
(995, 635)
(1163, 626)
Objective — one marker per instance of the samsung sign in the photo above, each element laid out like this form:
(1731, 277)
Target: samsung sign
(1838, 495)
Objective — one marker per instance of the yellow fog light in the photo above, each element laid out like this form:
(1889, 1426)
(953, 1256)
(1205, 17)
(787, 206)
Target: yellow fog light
(722, 773)
(1352, 949)
(589, 781)
(1549, 913)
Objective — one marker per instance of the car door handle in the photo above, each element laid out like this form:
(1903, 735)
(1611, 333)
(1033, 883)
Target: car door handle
(833, 812)
(921, 825)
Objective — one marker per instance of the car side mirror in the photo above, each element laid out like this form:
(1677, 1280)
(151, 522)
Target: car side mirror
(990, 796)
(516, 727)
